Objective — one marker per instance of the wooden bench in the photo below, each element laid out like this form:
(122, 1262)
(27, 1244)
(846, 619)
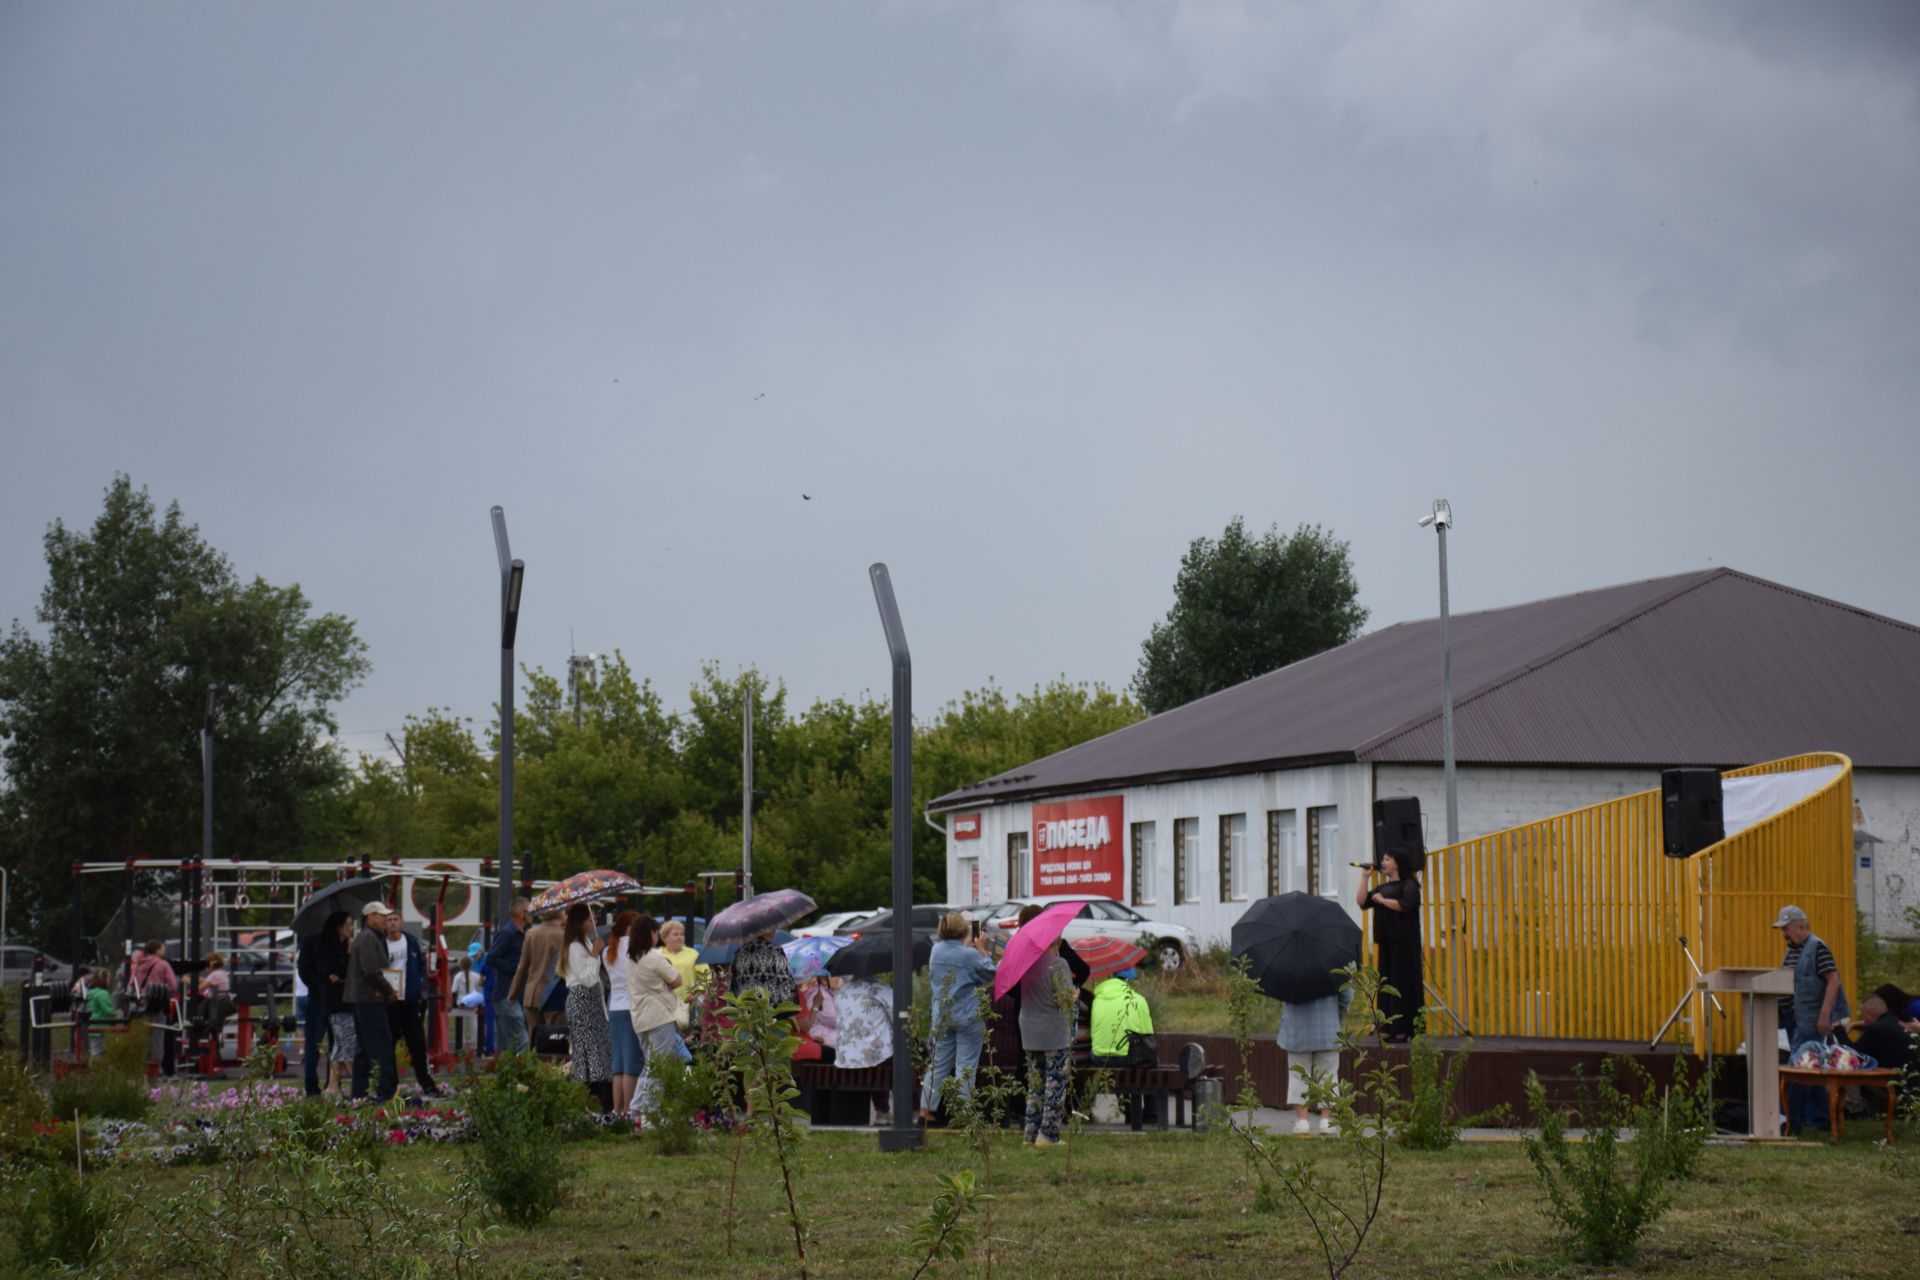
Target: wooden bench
(837, 1095)
(1134, 1085)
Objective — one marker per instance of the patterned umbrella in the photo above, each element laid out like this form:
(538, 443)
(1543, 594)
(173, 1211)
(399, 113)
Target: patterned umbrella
(807, 957)
(1107, 956)
(772, 910)
(588, 886)
(723, 952)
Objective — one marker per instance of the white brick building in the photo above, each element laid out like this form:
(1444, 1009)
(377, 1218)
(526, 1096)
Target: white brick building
(1269, 786)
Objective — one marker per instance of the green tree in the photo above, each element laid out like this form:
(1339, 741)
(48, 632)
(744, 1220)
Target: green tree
(1245, 606)
(100, 714)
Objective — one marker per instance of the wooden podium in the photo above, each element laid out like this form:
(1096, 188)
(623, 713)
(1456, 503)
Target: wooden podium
(1760, 989)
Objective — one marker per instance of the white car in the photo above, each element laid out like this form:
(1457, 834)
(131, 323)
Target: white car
(825, 925)
(1106, 918)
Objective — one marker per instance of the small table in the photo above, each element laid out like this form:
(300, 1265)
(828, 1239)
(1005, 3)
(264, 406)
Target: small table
(1835, 1081)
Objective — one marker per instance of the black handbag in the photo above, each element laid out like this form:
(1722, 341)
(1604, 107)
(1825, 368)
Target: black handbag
(1143, 1049)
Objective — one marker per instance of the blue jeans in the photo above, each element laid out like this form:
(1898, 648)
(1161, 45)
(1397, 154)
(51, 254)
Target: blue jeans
(376, 1050)
(1806, 1103)
(510, 1025)
(313, 1030)
(956, 1053)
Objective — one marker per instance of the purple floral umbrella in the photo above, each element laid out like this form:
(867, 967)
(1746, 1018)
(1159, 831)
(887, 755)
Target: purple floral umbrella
(773, 910)
(807, 957)
(588, 886)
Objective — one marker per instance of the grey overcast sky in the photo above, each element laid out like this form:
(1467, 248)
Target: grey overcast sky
(1026, 295)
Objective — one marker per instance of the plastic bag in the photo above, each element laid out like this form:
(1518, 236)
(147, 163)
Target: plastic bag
(1811, 1056)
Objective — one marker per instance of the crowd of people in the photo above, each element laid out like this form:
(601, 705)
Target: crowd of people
(618, 997)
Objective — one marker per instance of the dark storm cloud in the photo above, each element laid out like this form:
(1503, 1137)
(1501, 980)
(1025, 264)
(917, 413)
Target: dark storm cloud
(1024, 295)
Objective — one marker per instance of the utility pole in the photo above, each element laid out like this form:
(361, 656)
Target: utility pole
(746, 790)
(1441, 518)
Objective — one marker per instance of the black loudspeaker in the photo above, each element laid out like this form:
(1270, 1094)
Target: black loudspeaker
(1690, 816)
(1397, 830)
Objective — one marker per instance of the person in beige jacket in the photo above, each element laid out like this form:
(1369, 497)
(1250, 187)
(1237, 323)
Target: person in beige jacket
(539, 966)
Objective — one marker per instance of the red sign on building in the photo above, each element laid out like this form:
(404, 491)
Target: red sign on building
(966, 826)
(1079, 848)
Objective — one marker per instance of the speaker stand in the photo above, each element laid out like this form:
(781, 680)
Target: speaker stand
(1680, 1007)
(1434, 997)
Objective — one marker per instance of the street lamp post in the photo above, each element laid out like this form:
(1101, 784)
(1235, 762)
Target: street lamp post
(1441, 518)
(904, 1134)
(511, 573)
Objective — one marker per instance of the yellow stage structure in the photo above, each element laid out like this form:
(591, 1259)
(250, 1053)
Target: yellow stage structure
(1579, 927)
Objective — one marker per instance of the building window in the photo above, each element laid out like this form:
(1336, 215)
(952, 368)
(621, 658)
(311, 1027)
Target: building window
(970, 879)
(1146, 868)
(1323, 850)
(1186, 860)
(1285, 868)
(1233, 857)
(1017, 880)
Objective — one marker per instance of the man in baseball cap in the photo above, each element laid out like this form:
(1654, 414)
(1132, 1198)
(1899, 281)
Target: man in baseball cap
(1817, 1005)
(369, 993)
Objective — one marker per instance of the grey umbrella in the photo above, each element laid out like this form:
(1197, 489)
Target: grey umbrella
(350, 896)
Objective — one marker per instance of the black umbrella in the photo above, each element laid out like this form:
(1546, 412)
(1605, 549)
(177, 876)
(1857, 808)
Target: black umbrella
(871, 954)
(350, 896)
(1294, 943)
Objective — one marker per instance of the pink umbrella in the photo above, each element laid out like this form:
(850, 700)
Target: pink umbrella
(1031, 941)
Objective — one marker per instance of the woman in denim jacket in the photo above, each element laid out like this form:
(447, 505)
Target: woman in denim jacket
(958, 969)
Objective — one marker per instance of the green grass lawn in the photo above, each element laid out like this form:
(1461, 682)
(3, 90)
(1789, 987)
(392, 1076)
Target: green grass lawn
(1152, 1205)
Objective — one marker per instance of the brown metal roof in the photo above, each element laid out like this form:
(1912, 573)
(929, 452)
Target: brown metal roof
(1712, 668)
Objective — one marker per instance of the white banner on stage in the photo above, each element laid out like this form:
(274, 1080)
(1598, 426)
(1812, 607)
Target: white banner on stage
(1746, 801)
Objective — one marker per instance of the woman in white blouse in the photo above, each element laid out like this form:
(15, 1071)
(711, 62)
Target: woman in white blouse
(651, 981)
(626, 1048)
(587, 1036)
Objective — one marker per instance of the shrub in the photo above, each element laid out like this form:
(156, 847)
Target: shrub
(945, 1234)
(279, 1203)
(687, 1096)
(759, 1049)
(1604, 1193)
(101, 1095)
(1679, 1119)
(263, 1061)
(1340, 1206)
(1246, 1011)
(1425, 1120)
(125, 1053)
(520, 1115)
(60, 1220)
(23, 1112)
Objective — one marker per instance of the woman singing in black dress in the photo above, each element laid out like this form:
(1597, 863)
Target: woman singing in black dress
(1395, 900)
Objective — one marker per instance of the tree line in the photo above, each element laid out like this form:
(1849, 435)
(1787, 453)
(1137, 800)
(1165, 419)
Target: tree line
(101, 709)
